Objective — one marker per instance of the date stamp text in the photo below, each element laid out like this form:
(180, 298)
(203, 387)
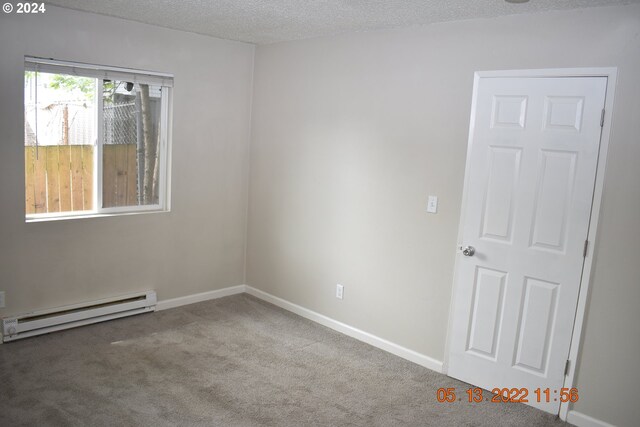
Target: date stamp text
(508, 395)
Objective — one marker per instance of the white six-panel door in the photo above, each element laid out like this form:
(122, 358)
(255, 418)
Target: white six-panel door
(528, 195)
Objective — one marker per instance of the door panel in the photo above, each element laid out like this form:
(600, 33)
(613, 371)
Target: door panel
(531, 174)
(554, 192)
(502, 186)
(535, 325)
(487, 311)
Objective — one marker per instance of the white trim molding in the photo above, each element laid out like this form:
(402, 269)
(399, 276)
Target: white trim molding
(381, 343)
(574, 351)
(581, 420)
(204, 296)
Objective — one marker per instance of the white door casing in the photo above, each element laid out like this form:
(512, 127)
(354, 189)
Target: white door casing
(531, 171)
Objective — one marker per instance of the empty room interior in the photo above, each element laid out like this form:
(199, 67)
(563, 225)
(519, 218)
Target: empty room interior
(332, 213)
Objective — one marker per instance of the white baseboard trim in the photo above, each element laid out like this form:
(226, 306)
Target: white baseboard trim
(343, 328)
(204, 296)
(581, 420)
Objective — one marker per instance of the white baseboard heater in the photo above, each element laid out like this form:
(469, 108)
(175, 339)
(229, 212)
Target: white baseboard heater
(71, 316)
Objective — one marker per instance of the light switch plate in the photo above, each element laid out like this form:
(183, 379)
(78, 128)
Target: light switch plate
(1, 299)
(432, 204)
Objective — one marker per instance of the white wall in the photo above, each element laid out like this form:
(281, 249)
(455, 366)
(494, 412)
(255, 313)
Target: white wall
(351, 133)
(200, 244)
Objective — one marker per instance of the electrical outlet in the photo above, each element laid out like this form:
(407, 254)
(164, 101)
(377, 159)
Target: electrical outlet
(1, 299)
(339, 291)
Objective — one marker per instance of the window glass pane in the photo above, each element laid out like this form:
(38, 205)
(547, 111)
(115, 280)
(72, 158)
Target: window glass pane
(59, 141)
(130, 151)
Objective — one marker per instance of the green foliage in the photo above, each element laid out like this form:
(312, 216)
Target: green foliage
(108, 91)
(85, 85)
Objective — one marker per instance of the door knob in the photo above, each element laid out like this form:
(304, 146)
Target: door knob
(468, 251)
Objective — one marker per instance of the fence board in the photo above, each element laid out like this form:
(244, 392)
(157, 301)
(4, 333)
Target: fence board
(121, 174)
(109, 177)
(53, 179)
(64, 171)
(29, 181)
(77, 192)
(87, 176)
(132, 175)
(40, 184)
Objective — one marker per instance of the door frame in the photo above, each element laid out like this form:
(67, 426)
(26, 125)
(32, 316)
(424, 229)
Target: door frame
(611, 74)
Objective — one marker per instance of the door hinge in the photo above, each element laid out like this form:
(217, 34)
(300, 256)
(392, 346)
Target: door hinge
(566, 367)
(585, 249)
(602, 118)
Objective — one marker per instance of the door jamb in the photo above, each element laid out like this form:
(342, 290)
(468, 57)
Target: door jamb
(576, 337)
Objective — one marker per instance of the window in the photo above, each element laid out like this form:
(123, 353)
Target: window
(96, 140)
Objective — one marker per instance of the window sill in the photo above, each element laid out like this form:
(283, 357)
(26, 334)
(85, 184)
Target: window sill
(83, 215)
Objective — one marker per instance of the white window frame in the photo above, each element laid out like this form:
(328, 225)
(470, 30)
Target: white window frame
(115, 73)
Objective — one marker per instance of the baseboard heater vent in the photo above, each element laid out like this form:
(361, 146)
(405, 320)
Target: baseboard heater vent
(45, 321)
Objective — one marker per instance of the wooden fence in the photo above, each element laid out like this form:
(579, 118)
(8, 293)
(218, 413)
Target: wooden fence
(119, 175)
(60, 177)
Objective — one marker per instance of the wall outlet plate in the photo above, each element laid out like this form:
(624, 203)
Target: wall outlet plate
(432, 204)
(339, 291)
(1, 299)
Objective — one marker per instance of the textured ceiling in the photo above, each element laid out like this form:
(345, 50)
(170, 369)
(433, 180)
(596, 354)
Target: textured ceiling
(269, 21)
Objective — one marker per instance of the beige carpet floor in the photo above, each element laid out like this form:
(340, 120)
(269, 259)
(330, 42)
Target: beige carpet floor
(235, 361)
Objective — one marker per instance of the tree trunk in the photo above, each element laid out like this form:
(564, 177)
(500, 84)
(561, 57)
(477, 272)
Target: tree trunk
(156, 163)
(139, 152)
(65, 124)
(150, 148)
